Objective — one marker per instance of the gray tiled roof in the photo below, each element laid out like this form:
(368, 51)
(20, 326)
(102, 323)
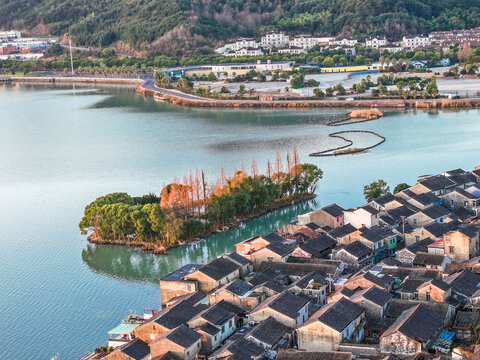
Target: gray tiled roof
(239, 287)
(357, 249)
(341, 314)
(290, 354)
(377, 296)
(427, 259)
(243, 349)
(437, 183)
(210, 329)
(333, 210)
(318, 244)
(219, 268)
(136, 349)
(426, 198)
(217, 315)
(239, 259)
(273, 237)
(270, 331)
(184, 336)
(342, 231)
(279, 248)
(435, 211)
(177, 315)
(289, 304)
(466, 283)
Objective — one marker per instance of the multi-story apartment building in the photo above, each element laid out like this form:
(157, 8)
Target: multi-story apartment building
(274, 39)
(376, 41)
(414, 41)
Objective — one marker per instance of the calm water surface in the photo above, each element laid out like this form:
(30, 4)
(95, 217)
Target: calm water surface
(63, 146)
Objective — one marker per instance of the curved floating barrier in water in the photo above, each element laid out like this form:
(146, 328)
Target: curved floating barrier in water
(345, 149)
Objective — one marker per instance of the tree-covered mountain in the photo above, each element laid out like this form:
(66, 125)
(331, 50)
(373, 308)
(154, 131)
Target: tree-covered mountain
(172, 26)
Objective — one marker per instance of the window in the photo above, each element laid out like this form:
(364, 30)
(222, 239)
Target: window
(270, 259)
(223, 329)
(230, 323)
(451, 249)
(188, 353)
(215, 337)
(415, 221)
(189, 287)
(428, 295)
(198, 345)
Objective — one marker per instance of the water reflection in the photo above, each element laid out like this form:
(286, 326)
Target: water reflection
(132, 264)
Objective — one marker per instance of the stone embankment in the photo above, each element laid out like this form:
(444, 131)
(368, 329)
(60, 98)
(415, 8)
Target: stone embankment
(79, 79)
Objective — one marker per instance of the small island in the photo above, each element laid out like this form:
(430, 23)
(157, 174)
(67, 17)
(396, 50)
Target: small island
(195, 208)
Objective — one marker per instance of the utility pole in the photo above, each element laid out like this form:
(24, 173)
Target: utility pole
(71, 57)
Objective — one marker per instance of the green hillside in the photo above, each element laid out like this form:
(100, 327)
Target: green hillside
(171, 26)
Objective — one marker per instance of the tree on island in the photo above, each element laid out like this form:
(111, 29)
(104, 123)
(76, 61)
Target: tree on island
(297, 80)
(400, 187)
(375, 189)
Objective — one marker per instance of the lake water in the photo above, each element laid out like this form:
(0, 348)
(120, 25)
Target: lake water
(63, 146)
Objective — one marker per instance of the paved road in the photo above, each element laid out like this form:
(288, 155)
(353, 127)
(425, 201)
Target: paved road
(149, 85)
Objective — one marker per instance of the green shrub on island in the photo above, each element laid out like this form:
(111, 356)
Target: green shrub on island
(195, 208)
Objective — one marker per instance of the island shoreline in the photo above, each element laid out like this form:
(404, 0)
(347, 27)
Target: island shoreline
(179, 98)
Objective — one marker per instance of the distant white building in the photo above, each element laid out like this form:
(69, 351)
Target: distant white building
(249, 51)
(391, 48)
(6, 36)
(414, 41)
(277, 39)
(295, 50)
(376, 41)
(304, 41)
(344, 41)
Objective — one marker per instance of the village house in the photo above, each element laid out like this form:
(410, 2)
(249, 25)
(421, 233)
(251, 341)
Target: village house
(245, 265)
(436, 213)
(465, 287)
(270, 334)
(460, 198)
(431, 261)
(408, 288)
(237, 292)
(241, 349)
(367, 280)
(331, 325)
(375, 240)
(289, 309)
(210, 336)
(434, 290)
(414, 41)
(465, 324)
(414, 331)
(461, 178)
(166, 320)
(182, 342)
(344, 234)
(295, 270)
(425, 200)
(312, 285)
(434, 231)
(331, 215)
(439, 185)
(319, 247)
(407, 255)
(135, 350)
(214, 274)
(373, 300)
(365, 216)
(387, 202)
(462, 244)
(355, 254)
(277, 252)
(174, 284)
(256, 243)
(375, 42)
(445, 310)
(218, 316)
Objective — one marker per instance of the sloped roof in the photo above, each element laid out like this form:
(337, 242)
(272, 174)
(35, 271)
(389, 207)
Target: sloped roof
(237, 258)
(270, 331)
(340, 314)
(426, 198)
(279, 248)
(437, 183)
(288, 304)
(425, 259)
(183, 336)
(466, 319)
(370, 209)
(273, 237)
(318, 244)
(418, 323)
(375, 295)
(219, 268)
(421, 245)
(469, 230)
(176, 315)
(411, 285)
(244, 349)
(209, 329)
(371, 234)
(334, 210)
(357, 249)
(343, 231)
(239, 287)
(465, 282)
(315, 276)
(437, 229)
(217, 315)
(435, 211)
(442, 285)
(385, 199)
(136, 349)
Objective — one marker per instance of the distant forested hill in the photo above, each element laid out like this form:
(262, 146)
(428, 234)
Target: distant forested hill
(172, 26)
